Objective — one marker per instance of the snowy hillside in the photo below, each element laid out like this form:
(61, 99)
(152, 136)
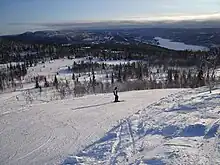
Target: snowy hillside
(46, 132)
(154, 127)
(180, 129)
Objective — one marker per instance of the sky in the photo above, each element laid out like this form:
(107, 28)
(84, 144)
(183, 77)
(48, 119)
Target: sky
(17, 16)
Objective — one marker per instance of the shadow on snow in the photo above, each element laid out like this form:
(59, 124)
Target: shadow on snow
(91, 106)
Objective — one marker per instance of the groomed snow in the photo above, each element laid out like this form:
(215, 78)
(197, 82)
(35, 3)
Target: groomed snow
(182, 129)
(46, 133)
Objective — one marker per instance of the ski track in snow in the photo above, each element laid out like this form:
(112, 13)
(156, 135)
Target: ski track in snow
(180, 129)
(115, 146)
(35, 149)
(47, 132)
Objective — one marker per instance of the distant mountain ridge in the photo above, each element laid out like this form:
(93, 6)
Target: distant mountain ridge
(195, 36)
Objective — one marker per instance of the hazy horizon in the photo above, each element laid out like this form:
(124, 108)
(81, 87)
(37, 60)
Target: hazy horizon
(32, 15)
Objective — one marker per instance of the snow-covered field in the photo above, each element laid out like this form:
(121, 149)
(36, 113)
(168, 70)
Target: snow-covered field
(51, 68)
(166, 43)
(48, 132)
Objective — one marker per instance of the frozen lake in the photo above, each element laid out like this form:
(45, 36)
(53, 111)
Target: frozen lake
(166, 43)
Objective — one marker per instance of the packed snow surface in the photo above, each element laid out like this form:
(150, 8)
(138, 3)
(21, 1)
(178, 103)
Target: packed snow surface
(166, 43)
(47, 132)
(154, 127)
(182, 129)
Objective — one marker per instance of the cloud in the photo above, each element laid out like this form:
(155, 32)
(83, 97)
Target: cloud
(177, 17)
(138, 20)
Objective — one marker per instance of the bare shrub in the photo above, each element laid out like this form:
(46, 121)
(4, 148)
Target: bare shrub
(80, 90)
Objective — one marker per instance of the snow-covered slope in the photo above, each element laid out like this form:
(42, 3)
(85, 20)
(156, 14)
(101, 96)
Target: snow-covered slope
(154, 127)
(47, 132)
(182, 129)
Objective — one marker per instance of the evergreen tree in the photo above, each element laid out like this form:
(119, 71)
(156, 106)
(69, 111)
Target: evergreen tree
(207, 76)
(23, 70)
(67, 84)
(10, 67)
(36, 82)
(103, 66)
(176, 76)
(125, 75)
(102, 87)
(55, 82)
(170, 76)
(1, 82)
(93, 80)
(183, 79)
(119, 73)
(158, 70)
(73, 77)
(90, 80)
(12, 78)
(112, 78)
(93, 76)
(18, 69)
(147, 71)
(46, 84)
(200, 78)
(140, 71)
(189, 76)
(200, 75)
(31, 63)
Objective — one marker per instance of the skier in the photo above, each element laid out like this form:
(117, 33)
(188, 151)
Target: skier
(115, 92)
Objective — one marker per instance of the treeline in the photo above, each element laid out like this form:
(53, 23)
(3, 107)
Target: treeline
(175, 77)
(64, 89)
(127, 77)
(12, 75)
(11, 51)
(144, 52)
